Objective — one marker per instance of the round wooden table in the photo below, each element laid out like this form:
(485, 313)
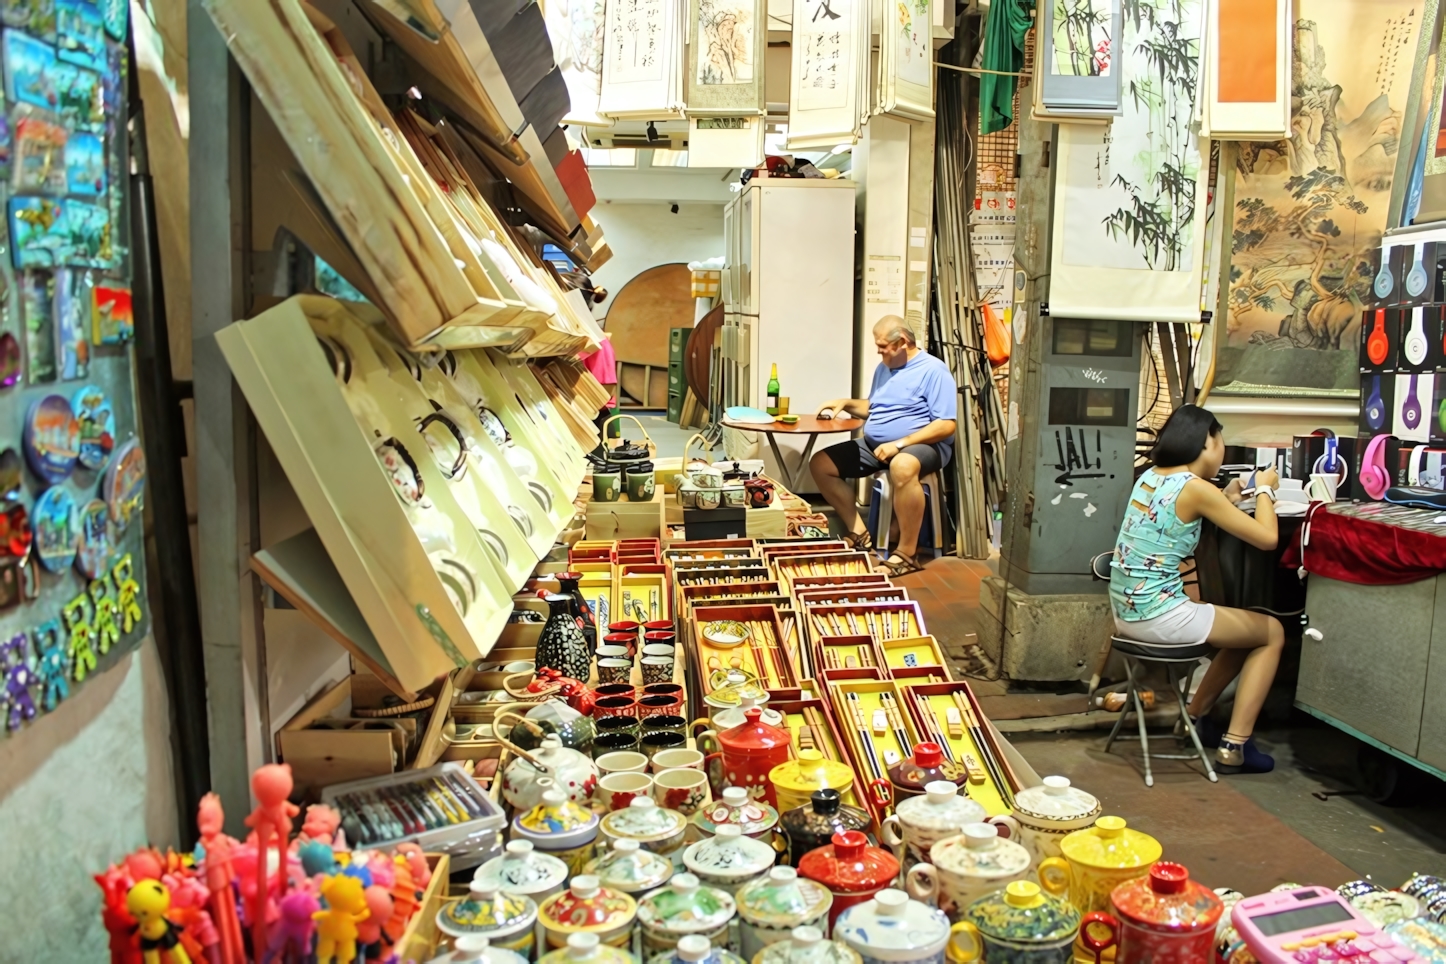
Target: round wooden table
(809, 425)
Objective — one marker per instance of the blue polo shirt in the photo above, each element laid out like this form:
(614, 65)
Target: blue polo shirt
(904, 400)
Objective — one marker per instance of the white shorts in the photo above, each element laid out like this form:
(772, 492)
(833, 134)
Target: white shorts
(1186, 624)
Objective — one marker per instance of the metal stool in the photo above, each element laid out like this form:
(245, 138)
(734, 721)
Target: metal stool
(1179, 662)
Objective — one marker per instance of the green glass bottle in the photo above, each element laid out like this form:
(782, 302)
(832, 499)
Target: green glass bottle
(773, 391)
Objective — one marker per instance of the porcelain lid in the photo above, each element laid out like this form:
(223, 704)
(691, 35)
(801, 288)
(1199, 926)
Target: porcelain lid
(849, 864)
(750, 816)
(753, 735)
(686, 906)
(1168, 900)
(943, 805)
(980, 852)
(1110, 845)
(630, 868)
(729, 854)
(811, 772)
(1055, 801)
(696, 949)
(891, 921)
(807, 946)
(588, 906)
(643, 819)
(556, 815)
(522, 870)
(782, 899)
(1022, 914)
(589, 948)
(487, 910)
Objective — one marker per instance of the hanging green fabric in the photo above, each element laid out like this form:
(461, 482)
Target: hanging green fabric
(1004, 30)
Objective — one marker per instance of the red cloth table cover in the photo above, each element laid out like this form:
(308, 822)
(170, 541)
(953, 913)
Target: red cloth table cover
(1372, 544)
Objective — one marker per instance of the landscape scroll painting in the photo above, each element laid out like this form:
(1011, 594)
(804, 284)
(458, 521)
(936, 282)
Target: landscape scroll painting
(1308, 210)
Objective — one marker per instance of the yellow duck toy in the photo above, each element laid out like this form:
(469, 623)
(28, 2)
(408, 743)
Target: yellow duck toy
(336, 932)
(149, 901)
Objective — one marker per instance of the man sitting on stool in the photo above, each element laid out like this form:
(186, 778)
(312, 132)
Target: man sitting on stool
(910, 431)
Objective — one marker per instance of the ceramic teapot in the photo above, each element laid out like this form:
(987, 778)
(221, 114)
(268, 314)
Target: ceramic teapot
(506, 919)
(1018, 925)
(893, 928)
(851, 870)
(1163, 918)
(695, 949)
(684, 907)
(968, 866)
(558, 826)
(1098, 859)
(926, 765)
(587, 949)
(806, 945)
(749, 752)
(753, 817)
(1047, 813)
(942, 811)
(769, 909)
(571, 772)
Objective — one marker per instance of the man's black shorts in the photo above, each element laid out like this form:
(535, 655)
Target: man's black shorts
(855, 458)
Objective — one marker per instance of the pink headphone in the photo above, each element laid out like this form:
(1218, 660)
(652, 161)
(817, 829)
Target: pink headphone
(1374, 477)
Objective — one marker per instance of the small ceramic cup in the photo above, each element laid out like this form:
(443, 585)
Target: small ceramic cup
(622, 761)
(656, 669)
(607, 486)
(664, 689)
(629, 641)
(614, 651)
(641, 485)
(658, 626)
(655, 743)
(660, 705)
(519, 666)
(624, 626)
(617, 790)
(616, 689)
(615, 671)
(605, 743)
(665, 636)
(679, 759)
(685, 791)
(665, 722)
(618, 724)
(662, 650)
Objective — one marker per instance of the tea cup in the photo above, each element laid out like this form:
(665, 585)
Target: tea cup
(656, 742)
(618, 724)
(622, 761)
(617, 790)
(685, 791)
(605, 743)
(614, 671)
(682, 758)
(657, 669)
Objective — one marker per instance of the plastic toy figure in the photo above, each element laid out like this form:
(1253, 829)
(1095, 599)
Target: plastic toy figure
(336, 927)
(128, 593)
(19, 677)
(219, 875)
(189, 916)
(148, 902)
(82, 652)
(316, 858)
(53, 673)
(321, 822)
(417, 861)
(379, 908)
(119, 924)
(292, 938)
(107, 633)
(271, 784)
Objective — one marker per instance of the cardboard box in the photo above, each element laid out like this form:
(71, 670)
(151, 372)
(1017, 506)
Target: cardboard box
(626, 520)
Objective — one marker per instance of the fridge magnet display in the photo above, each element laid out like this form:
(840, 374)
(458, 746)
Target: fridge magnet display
(5, 146)
(114, 13)
(128, 594)
(111, 319)
(85, 165)
(53, 671)
(80, 33)
(124, 487)
(85, 230)
(76, 617)
(36, 16)
(36, 307)
(72, 323)
(39, 159)
(80, 98)
(107, 614)
(36, 232)
(18, 677)
(12, 475)
(30, 70)
(51, 438)
(15, 533)
(96, 545)
(97, 426)
(57, 528)
(10, 364)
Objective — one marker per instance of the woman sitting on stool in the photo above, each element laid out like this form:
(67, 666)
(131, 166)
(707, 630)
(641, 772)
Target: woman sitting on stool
(1161, 530)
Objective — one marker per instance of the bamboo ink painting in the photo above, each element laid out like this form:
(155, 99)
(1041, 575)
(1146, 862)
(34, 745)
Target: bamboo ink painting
(1130, 196)
(725, 36)
(1081, 40)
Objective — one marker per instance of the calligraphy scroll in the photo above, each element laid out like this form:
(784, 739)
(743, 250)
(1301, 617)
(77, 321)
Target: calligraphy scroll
(642, 67)
(828, 86)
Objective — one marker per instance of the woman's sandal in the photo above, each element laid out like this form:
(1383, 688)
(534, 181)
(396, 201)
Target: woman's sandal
(861, 541)
(903, 567)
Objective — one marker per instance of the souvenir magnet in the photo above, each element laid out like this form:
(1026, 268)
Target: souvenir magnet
(124, 486)
(51, 438)
(110, 314)
(37, 307)
(37, 234)
(80, 98)
(30, 68)
(79, 33)
(76, 616)
(114, 14)
(9, 592)
(38, 160)
(12, 474)
(107, 612)
(10, 366)
(85, 236)
(15, 534)
(57, 528)
(53, 672)
(96, 543)
(97, 426)
(72, 324)
(6, 147)
(128, 593)
(85, 165)
(19, 678)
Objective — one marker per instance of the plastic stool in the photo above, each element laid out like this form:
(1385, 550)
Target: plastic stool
(881, 513)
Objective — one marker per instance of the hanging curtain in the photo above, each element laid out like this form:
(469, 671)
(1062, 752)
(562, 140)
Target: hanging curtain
(1004, 30)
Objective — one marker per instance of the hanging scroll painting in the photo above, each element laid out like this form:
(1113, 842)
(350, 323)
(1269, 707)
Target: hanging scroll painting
(727, 40)
(643, 59)
(829, 77)
(1078, 74)
(1309, 210)
(907, 60)
(1131, 197)
(576, 28)
(1245, 70)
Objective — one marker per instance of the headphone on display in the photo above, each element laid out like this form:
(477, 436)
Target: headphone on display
(1385, 281)
(1330, 461)
(1378, 344)
(1417, 278)
(1375, 408)
(1374, 477)
(1416, 344)
(1411, 407)
(1413, 473)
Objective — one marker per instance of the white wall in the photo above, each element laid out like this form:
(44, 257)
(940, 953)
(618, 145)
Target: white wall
(644, 234)
(81, 787)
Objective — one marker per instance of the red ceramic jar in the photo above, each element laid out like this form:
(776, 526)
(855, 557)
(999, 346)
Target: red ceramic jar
(750, 751)
(851, 870)
(1165, 918)
(927, 765)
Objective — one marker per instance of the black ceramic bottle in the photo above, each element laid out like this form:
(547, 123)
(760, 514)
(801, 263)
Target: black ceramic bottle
(561, 645)
(814, 824)
(570, 587)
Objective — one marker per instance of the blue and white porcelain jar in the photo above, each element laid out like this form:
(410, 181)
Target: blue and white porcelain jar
(893, 928)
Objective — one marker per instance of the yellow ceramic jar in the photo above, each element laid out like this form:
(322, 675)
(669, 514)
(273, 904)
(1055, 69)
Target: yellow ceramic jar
(795, 781)
(1096, 860)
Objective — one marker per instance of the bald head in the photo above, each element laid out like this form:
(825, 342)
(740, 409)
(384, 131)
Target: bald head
(893, 329)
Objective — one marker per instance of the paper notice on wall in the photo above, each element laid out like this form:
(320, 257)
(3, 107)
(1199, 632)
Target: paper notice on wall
(884, 280)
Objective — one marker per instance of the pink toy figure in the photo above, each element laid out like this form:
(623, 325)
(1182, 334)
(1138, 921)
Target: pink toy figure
(379, 902)
(219, 875)
(292, 938)
(417, 861)
(144, 864)
(321, 822)
(188, 914)
(271, 820)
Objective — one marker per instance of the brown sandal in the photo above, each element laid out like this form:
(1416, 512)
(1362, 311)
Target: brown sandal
(903, 567)
(861, 541)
